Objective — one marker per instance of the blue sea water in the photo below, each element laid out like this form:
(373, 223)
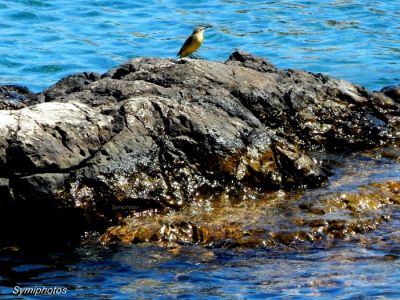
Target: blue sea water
(42, 41)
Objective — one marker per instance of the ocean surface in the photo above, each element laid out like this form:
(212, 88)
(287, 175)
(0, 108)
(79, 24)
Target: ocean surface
(42, 41)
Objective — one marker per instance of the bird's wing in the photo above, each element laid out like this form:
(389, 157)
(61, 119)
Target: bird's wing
(187, 43)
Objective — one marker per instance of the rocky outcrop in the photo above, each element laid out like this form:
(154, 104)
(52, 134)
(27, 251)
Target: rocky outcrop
(161, 133)
(14, 97)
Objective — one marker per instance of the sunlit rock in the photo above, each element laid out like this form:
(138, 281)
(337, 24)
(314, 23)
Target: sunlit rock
(227, 223)
(162, 135)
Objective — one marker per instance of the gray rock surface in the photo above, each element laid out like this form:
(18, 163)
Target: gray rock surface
(157, 133)
(14, 97)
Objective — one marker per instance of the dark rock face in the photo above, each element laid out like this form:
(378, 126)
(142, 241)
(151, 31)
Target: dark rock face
(67, 85)
(5, 191)
(14, 97)
(393, 92)
(157, 133)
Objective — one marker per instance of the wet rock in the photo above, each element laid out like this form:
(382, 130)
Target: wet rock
(176, 233)
(340, 216)
(160, 134)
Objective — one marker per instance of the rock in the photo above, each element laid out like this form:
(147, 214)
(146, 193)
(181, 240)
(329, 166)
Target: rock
(392, 91)
(53, 137)
(305, 221)
(5, 195)
(161, 134)
(387, 109)
(14, 97)
(39, 187)
(71, 84)
(8, 128)
(247, 60)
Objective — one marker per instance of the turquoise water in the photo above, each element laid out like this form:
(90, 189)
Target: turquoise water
(42, 41)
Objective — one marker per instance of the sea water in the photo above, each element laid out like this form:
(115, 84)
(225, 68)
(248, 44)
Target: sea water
(42, 41)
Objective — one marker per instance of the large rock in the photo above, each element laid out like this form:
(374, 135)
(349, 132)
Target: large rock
(159, 133)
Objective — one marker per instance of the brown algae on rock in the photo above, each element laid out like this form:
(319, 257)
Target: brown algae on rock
(273, 219)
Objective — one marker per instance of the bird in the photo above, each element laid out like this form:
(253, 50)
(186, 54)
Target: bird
(192, 43)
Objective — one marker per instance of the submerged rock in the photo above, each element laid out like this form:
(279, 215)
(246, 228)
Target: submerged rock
(161, 134)
(251, 223)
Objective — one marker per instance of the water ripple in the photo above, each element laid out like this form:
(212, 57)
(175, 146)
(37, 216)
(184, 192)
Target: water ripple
(357, 40)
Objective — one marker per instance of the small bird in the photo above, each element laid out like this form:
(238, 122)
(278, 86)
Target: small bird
(192, 43)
